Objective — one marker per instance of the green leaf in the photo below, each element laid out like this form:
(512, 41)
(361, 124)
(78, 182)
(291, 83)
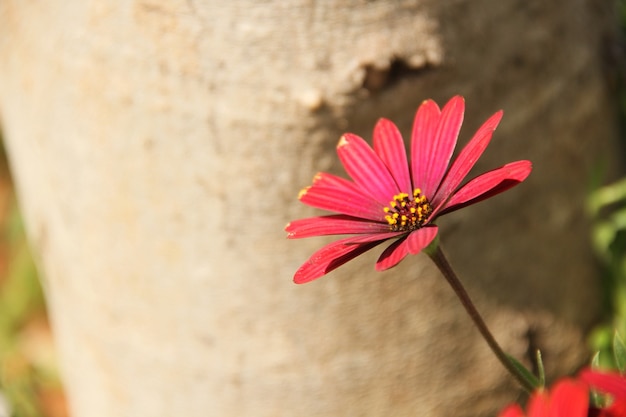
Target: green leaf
(619, 351)
(609, 194)
(595, 361)
(541, 370)
(597, 399)
(531, 379)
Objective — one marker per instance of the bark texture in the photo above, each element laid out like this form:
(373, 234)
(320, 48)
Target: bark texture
(159, 146)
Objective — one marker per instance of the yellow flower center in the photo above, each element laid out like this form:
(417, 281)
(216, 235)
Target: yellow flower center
(405, 214)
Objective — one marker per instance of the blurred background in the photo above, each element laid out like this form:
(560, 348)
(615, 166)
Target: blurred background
(29, 376)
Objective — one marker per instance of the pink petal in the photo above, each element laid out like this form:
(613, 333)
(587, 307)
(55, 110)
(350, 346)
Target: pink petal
(433, 141)
(569, 399)
(389, 146)
(336, 254)
(333, 193)
(413, 244)
(424, 130)
(512, 411)
(486, 185)
(606, 382)
(539, 405)
(366, 169)
(420, 238)
(466, 159)
(392, 256)
(333, 225)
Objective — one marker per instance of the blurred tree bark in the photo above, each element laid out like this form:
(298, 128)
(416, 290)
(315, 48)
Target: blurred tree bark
(158, 147)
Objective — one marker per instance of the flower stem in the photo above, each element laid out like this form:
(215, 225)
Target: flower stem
(436, 254)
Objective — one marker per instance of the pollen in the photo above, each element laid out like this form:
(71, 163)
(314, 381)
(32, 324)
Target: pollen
(406, 213)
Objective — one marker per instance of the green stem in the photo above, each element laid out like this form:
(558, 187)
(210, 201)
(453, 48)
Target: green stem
(444, 266)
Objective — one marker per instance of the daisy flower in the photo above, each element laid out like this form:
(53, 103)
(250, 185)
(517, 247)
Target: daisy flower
(396, 197)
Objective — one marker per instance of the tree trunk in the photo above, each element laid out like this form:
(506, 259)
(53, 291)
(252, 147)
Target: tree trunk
(159, 145)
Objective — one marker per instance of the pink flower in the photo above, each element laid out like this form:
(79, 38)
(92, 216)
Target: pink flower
(568, 398)
(394, 197)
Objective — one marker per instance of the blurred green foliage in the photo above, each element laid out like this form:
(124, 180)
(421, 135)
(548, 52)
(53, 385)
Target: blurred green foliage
(607, 207)
(29, 382)
(24, 378)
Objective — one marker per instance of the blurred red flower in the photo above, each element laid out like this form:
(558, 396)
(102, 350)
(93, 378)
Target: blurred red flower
(610, 383)
(570, 398)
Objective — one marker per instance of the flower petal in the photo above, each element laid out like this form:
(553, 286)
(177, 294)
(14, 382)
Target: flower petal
(366, 169)
(539, 405)
(433, 141)
(569, 398)
(606, 382)
(424, 130)
(420, 238)
(333, 193)
(333, 225)
(466, 159)
(485, 186)
(413, 244)
(513, 410)
(389, 146)
(392, 256)
(336, 254)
